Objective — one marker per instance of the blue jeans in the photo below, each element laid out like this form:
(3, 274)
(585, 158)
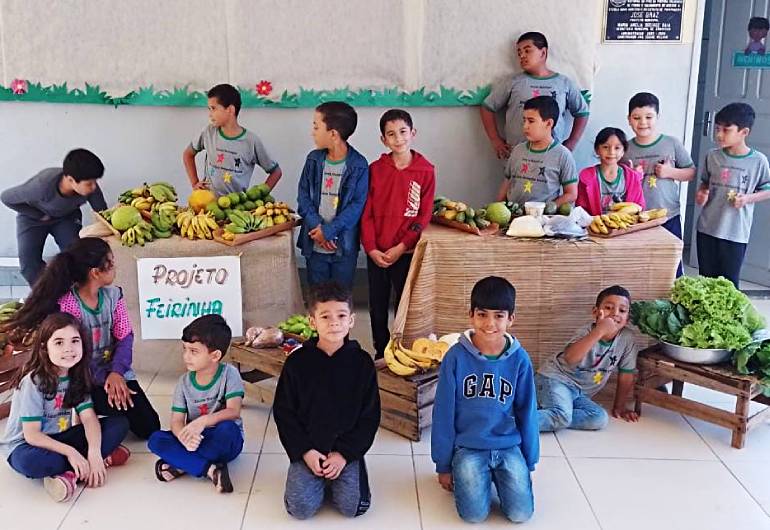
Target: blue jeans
(563, 406)
(322, 268)
(221, 443)
(475, 470)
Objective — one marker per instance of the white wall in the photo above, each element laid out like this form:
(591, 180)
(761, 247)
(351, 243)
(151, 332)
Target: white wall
(144, 143)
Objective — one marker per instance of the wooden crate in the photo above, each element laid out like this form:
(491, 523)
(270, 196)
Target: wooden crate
(406, 402)
(267, 360)
(10, 363)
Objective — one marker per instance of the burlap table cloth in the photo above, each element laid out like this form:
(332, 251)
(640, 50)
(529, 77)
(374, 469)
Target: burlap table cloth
(269, 281)
(556, 280)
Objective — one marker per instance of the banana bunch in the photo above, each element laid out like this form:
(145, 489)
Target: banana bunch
(278, 211)
(140, 234)
(460, 212)
(143, 204)
(403, 361)
(196, 226)
(8, 309)
(129, 195)
(107, 214)
(649, 215)
(162, 192)
(163, 221)
(624, 217)
(626, 207)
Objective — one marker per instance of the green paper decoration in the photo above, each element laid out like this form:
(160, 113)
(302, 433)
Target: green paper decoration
(183, 97)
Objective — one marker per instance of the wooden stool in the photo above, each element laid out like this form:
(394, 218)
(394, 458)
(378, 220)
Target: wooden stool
(656, 368)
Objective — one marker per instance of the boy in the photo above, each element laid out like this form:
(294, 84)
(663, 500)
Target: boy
(662, 159)
(206, 427)
(231, 150)
(535, 80)
(401, 188)
(489, 435)
(758, 28)
(49, 203)
(566, 382)
(734, 178)
(540, 169)
(327, 410)
(331, 197)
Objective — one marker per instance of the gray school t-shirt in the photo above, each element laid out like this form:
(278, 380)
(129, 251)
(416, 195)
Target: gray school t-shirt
(330, 195)
(658, 192)
(591, 374)
(28, 404)
(230, 162)
(611, 192)
(728, 175)
(539, 175)
(195, 400)
(512, 93)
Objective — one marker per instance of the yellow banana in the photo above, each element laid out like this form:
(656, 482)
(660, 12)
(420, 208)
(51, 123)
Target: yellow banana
(423, 361)
(632, 207)
(395, 366)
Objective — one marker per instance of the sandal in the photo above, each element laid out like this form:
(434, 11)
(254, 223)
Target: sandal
(168, 473)
(118, 457)
(220, 476)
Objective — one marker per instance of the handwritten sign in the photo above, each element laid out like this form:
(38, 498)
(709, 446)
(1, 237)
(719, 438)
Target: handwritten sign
(175, 291)
(643, 21)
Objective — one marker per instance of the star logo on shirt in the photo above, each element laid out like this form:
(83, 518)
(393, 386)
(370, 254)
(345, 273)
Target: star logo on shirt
(58, 401)
(63, 424)
(745, 179)
(541, 171)
(96, 336)
(203, 409)
(106, 355)
(227, 177)
(535, 93)
(653, 182)
(237, 162)
(613, 360)
(524, 167)
(553, 94)
(335, 202)
(528, 186)
(220, 158)
(598, 377)
(328, 183)
(725, 175)
(731, 195)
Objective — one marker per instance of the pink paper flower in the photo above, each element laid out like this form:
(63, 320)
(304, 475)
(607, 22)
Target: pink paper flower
(264, 88)
(19, 86)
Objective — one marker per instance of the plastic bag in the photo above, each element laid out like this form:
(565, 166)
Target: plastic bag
(563, 226)
(526, 226)
(251, 334)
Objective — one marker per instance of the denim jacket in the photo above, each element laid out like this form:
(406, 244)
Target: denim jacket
(354, 187)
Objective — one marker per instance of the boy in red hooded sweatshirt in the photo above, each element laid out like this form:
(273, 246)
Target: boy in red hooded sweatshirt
(399, 206)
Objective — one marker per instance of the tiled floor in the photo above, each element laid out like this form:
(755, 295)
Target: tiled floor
(666, 472)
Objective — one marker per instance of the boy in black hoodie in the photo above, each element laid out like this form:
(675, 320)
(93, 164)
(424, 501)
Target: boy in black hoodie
(327, 410)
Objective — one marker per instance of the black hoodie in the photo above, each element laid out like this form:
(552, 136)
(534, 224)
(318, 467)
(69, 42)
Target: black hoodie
(327, 403)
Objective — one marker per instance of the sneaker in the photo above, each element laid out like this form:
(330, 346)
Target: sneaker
(62, 487)
(118, 457)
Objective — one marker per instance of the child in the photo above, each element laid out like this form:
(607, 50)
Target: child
(610, 181)
(540, 169)
(401, 188)
(231, 150)
(79, 281)
(40, 438)
(327, 410)
(566, 382)
(49, 203)
(535, 80)
(662, 160)
(331, 197)
(734, 178)
(206, 427)
(758, 28)
(485, 416)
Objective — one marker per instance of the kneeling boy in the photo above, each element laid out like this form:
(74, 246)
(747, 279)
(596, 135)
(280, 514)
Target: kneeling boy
(566, 382)
(327, 410)
(485, 414)
(206, 427)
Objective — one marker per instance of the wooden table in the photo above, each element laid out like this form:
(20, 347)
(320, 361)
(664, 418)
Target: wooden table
(656, 368)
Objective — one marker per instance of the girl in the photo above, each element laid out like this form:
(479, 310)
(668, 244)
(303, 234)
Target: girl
(79, 281)
(611, 181)
(40, 438)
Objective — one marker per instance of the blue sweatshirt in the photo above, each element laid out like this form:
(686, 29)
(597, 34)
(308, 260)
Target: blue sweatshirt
(484, 404)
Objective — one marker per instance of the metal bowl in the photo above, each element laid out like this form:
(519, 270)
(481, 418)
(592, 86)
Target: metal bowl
(695, 355)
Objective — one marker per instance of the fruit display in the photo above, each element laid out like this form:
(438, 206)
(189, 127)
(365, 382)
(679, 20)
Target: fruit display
(194, 225)
(298, 325)
(149, 198)
(6, 312)
(460, 212)
(501, 213)
(424, 354)
(622, 216)
(198, 199)
(139, 234)
(264, 216)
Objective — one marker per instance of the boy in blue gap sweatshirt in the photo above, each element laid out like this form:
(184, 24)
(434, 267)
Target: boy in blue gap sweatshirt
(485, 415)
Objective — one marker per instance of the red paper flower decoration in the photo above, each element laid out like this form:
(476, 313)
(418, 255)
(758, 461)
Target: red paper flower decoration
(19, 86)
(264, 88)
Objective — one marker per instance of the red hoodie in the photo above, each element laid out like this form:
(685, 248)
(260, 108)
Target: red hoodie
(399, 204)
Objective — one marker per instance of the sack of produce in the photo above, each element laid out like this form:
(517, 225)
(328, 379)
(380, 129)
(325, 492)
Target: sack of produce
(526, 226)
(269, 338)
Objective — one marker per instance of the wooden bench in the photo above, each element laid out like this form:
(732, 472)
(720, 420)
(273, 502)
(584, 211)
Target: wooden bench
(656, 368)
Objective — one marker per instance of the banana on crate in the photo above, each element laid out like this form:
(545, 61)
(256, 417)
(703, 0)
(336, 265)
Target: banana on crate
(424, 354)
